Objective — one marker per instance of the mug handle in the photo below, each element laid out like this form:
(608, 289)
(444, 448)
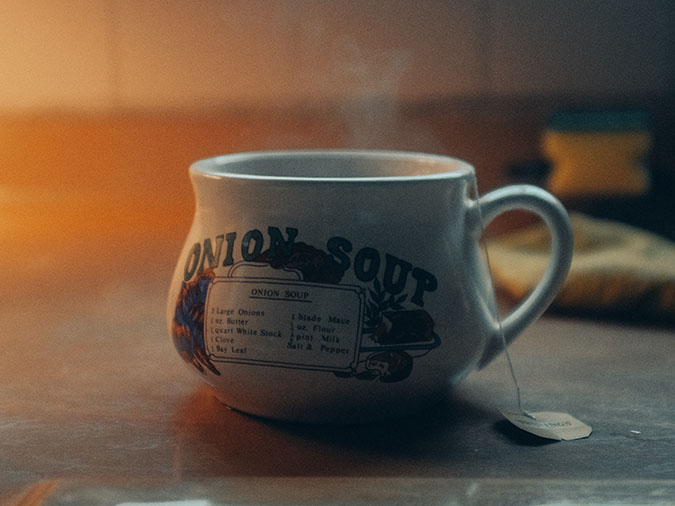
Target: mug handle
(546, 206)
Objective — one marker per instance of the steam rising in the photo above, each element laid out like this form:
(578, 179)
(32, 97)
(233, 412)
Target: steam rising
(373, 110)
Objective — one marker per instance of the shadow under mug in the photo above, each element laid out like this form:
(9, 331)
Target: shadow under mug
(343, 286)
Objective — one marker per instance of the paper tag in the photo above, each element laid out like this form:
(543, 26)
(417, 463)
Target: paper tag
(549, 425)
(544, 424)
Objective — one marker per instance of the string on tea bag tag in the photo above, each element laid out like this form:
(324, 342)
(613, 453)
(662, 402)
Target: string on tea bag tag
(492, 300)
(544, 424)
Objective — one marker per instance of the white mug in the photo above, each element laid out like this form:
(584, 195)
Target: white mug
(342, 286)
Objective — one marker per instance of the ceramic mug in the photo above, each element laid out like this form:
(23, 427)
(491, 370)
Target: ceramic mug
(339, 286)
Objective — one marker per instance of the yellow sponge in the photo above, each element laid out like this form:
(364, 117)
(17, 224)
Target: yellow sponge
(597, 154)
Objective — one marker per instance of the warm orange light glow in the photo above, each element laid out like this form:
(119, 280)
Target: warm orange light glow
(85, 189)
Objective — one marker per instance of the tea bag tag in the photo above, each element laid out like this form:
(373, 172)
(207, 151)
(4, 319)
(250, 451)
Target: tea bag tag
(549, 425)
(544, 424)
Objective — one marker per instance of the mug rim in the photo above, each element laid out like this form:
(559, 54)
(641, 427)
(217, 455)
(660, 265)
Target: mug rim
(439, 166)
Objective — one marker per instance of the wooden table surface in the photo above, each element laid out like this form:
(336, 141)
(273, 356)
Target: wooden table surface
(96, 407)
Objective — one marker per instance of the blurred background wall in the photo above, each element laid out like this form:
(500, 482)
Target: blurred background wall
(105, 103)
(92, 55)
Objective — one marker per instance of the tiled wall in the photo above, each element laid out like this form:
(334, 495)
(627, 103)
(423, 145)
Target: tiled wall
(149, 54)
